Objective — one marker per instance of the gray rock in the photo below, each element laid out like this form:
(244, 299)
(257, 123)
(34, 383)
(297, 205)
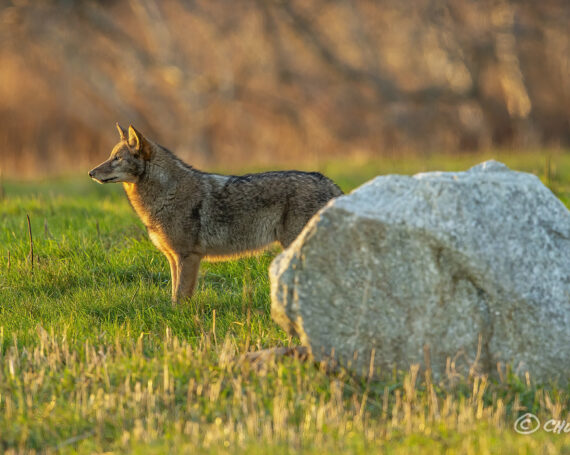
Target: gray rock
(473, 266)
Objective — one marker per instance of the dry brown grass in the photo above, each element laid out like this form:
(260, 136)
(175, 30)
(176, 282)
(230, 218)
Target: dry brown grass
(187, 397)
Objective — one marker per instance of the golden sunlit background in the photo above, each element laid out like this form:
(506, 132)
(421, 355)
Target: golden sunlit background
(238, 83)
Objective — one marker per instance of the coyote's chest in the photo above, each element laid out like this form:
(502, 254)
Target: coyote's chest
(142, 208)
(155, 214)
(153, 209)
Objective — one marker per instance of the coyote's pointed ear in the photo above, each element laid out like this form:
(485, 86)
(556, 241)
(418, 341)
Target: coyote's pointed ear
(139, 143)
(135, 138)
(122, 132)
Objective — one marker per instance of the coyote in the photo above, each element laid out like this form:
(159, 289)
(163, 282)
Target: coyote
(190, 214)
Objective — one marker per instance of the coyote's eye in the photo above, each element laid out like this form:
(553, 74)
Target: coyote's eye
(117, 158)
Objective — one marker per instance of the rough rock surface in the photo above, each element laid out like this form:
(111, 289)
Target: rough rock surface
(473, 265)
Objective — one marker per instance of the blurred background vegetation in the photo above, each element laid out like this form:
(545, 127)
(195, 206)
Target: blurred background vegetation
(235, 83)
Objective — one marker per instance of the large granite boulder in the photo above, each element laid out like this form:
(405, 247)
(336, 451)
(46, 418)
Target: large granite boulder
(472, 268)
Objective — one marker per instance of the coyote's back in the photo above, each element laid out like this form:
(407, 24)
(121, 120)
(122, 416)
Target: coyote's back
(250, 211)
(191, 214)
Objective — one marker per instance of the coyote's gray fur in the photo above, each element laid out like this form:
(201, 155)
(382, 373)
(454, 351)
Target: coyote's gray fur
(192, 214)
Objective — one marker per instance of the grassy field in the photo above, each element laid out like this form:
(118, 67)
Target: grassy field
(94, 358)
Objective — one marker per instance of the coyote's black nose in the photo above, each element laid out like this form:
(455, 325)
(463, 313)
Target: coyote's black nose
(91, 174)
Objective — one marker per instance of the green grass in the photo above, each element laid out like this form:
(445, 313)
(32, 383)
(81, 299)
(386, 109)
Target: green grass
(93, 356)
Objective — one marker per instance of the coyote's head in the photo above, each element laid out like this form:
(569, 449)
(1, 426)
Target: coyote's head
(127, 161)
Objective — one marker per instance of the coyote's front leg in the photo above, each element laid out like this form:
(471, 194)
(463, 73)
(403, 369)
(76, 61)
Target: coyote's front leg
(187, 276)
(173, 273)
